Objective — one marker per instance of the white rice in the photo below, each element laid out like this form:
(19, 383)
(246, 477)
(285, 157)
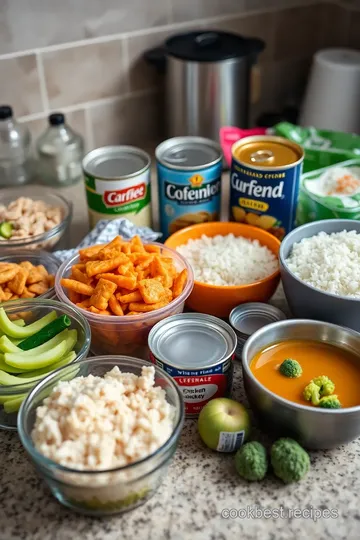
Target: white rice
(228, 260)
(329, 262)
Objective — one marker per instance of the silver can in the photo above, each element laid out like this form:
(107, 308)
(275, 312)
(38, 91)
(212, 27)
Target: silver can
(189, 178)
(246, 319)
(197, 350)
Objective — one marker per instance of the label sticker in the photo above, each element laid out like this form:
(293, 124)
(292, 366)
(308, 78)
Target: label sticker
(230, 441)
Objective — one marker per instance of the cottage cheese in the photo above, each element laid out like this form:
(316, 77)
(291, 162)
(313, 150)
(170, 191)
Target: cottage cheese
(97, 423)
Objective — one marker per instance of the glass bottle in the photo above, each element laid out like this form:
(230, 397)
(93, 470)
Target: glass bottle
(60, 151)
(15, 143)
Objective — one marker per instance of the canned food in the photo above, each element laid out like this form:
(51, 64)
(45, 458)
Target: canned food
(117, 182)
(247, 318)
(264, 187)
(197, 350)
(189, 177)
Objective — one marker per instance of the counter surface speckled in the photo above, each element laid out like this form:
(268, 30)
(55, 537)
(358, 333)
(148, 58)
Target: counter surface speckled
(200, 485)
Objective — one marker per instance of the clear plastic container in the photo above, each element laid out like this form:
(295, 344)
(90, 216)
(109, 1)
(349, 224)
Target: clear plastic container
(109, 491)
(15, 140)
(128, 334)
(31, 310)
(60, 152)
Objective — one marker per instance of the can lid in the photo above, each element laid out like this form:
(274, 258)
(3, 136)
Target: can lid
(113, 162)
(188, 153)
(192, 341)
(248, 318)
(266, 152)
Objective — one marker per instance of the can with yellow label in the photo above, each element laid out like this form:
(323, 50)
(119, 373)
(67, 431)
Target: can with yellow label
(264, 183)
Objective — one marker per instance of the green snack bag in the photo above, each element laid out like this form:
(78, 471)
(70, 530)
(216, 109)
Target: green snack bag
(322, 148)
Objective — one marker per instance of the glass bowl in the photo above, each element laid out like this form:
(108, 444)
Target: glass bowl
(106, 492)
(45, 258)
(49, 239)
(111, 334)
(31, 310)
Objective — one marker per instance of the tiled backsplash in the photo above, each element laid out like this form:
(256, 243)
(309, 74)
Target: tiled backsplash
(87, 60)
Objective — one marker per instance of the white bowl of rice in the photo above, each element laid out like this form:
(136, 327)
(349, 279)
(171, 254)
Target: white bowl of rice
(233, 263)
(320, 271)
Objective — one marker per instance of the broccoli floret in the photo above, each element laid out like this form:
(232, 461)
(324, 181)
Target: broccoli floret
(289, 460)
(290, 368)
(330, 402)
(251, 461)
(326, 385)
(312, 393)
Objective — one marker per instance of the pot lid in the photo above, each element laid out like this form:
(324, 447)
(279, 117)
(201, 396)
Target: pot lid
(212, 46)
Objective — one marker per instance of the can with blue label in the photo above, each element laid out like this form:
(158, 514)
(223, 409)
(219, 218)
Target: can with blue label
(189, 178)
(264, 183)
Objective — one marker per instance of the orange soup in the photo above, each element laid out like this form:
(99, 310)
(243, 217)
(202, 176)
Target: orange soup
(316, 359)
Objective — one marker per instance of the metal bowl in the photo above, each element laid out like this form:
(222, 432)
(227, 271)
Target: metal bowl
(305, 301)
(313, 427)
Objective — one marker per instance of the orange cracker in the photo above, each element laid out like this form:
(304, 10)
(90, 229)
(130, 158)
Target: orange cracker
(8, 275)
(39, 288)
(100, 267)
(17, 283)
(151, 291)
(128, 282)
(84, 304)
(144, 308)
(76, 286)
(102, 293)
(179, 283)
(131, 297)
(79, 275)
(36, 274)
(27, 294)
(132, 313)
(99, 311)
(27, 265)
(152, 249)
(115, 306)
(74, 297)
(86, 253)
(51, 280)
(157, 268)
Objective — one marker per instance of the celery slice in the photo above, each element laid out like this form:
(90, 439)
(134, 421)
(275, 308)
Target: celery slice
(17, 322)
(9, 380)
(46, 358)
(9, 397)
(13, 330)
(9, 369)
(7, 346)
(13, 405)
(68, 358)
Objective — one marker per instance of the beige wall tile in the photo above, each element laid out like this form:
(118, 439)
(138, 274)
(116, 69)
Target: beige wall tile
(267, 4)
(297, 32)
(260, 26)
(335, 23)
(38, 23)
(354, 30)
(136, 120)
(188, 10)
(19, 84)
(85, 73)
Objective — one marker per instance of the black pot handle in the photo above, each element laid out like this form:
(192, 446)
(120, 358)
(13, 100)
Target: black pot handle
(157, 57)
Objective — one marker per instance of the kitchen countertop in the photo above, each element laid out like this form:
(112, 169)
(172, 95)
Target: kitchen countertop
(200, 487)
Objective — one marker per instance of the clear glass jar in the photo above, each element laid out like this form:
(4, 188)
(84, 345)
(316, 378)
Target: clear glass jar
(60, 151)
(15, 143)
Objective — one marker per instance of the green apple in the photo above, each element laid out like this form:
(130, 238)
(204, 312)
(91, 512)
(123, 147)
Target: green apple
(224, 424)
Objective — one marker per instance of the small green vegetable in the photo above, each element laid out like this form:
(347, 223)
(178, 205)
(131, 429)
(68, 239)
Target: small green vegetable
(13, 330)
(312, 393)
(330, 402)
(49, 331)
(9, 380)
(7, 346)
(44, 371)
(251, 461)
(6, 229)
(289, 460)
(13, 405)
(8, 369)
(325, 384)
(290, 368)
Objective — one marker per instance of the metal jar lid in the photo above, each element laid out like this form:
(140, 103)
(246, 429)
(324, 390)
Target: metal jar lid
(188, 153)
(267, 152)
(246, 319)
(192, 341)
(116, 162)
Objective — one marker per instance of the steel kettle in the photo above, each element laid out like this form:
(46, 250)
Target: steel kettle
(207, 81)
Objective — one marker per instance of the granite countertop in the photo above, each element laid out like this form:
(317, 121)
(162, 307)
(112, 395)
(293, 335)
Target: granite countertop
(199, 487)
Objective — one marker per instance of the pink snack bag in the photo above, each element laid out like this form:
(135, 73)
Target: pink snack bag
(229, 136)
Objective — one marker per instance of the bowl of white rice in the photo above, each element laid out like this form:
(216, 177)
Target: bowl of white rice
(232, 263)
(320, 271)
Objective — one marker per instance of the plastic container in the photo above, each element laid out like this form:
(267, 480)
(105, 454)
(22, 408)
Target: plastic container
(219, 300)
(48, 260)
(109, 491)
(60, 152)
(127, 334)
(48, 240)
(15, 143)
(31, 310)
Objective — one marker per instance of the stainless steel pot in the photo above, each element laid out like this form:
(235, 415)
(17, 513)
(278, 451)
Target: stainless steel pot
(313, 427)
(207, 81)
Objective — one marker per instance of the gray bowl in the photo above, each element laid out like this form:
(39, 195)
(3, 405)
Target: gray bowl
(313, 427)
(306, 301)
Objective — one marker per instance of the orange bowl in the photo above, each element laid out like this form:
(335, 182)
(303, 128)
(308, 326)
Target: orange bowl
(220, 300)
